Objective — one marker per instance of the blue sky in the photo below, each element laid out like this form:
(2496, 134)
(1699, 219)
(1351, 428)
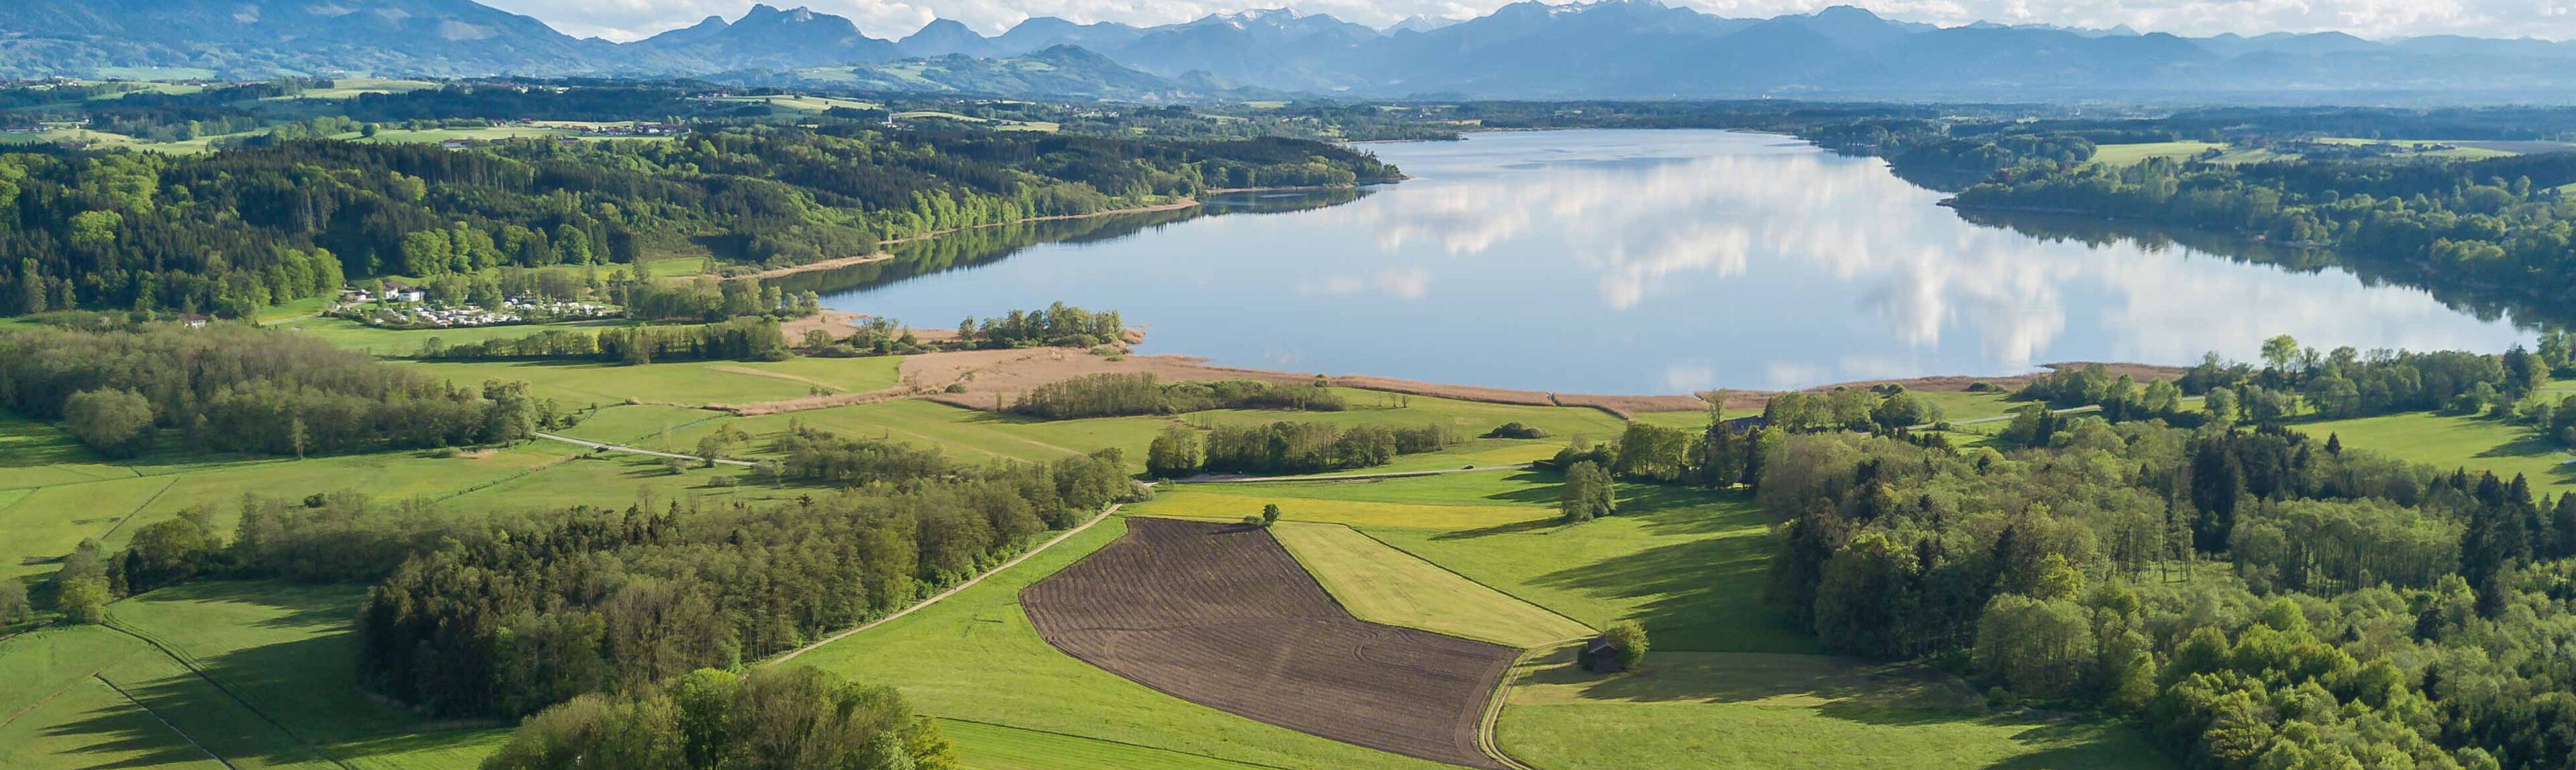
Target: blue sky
(2550, 19)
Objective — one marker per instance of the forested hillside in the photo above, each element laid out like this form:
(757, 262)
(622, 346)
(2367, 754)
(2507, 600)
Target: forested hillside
(2497, 229)
(234, 231)
(2340, 610)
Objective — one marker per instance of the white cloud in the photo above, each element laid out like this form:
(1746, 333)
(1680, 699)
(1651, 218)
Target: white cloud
(2552, 19)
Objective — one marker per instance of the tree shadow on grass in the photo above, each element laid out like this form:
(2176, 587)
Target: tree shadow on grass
(1531, 487)
(305, 605)
(1702, 594)
(2071, 743)
(1506, 528)
(119, 728)
(193, 707)
(1851, 689)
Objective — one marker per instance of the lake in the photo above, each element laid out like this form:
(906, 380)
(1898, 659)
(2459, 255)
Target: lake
(1644, 262)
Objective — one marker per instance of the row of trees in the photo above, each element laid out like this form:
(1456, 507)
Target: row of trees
(238, 388)
(1118, 395)
(1887, 408)
(2360, 611)
(2294, 381)
(1286, 447)
(749, 338)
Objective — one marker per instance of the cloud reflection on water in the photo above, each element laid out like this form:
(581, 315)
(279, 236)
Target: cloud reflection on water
(1664, 261)
(1654, 231)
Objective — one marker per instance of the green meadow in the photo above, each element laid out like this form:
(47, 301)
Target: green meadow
(1379, 584)
(2476, 443)
(2132, 154)
(1756, 711)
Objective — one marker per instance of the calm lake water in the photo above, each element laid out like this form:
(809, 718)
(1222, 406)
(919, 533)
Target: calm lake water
(1645, 262)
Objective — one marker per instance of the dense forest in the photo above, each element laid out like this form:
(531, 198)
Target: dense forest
(2254, 598)
(237, 230)
(228, 387)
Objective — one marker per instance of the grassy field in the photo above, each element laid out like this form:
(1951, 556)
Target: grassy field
(640, 425)
(1689, 565)
(1447, 503)
(54, 494)
(1383, 585)
(975, 657)
(581, 383)
(2132, 154)
(805, 103)
(2443, 441)
(285, 650)
(610, 479)
(350, 88)
(994, 747)
(1751, 710)
(963, 434)
(2455, 149)
(58, 713)
(258, 674)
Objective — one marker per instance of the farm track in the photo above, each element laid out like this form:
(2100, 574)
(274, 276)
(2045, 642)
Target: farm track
(1221, 615)
(1104, 514)
(600, 445)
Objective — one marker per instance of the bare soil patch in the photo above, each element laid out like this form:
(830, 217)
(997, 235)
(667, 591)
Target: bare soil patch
(1221, 615)
(833, 322)
(1629, 406)
(1009, 374)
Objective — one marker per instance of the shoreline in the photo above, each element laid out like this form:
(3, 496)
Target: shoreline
(882, 255)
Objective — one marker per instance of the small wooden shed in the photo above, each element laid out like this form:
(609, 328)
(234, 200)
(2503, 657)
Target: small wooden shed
(1600, 656)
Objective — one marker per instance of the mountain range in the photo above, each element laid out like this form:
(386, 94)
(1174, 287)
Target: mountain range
(1609, 49)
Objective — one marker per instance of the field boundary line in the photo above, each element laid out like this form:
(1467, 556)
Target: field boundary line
(156, 716)
(1103, 515)
(1486, 740)
(598, 445)
(138, 510)
(557, 463)
(1463, 576)
(1346, 607)
(1115, 742)
(187, 663)
(1497, 589)
(40, 702)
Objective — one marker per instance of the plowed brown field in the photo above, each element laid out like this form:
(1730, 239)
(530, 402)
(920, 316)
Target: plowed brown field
(1221, 615)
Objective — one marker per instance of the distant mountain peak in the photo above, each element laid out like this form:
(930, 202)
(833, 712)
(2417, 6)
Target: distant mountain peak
(1848, 11)
(1419, 23)
(942, 37)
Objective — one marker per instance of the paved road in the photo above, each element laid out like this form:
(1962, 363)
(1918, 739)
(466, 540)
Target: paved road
(1105, 513)
(621, 448)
